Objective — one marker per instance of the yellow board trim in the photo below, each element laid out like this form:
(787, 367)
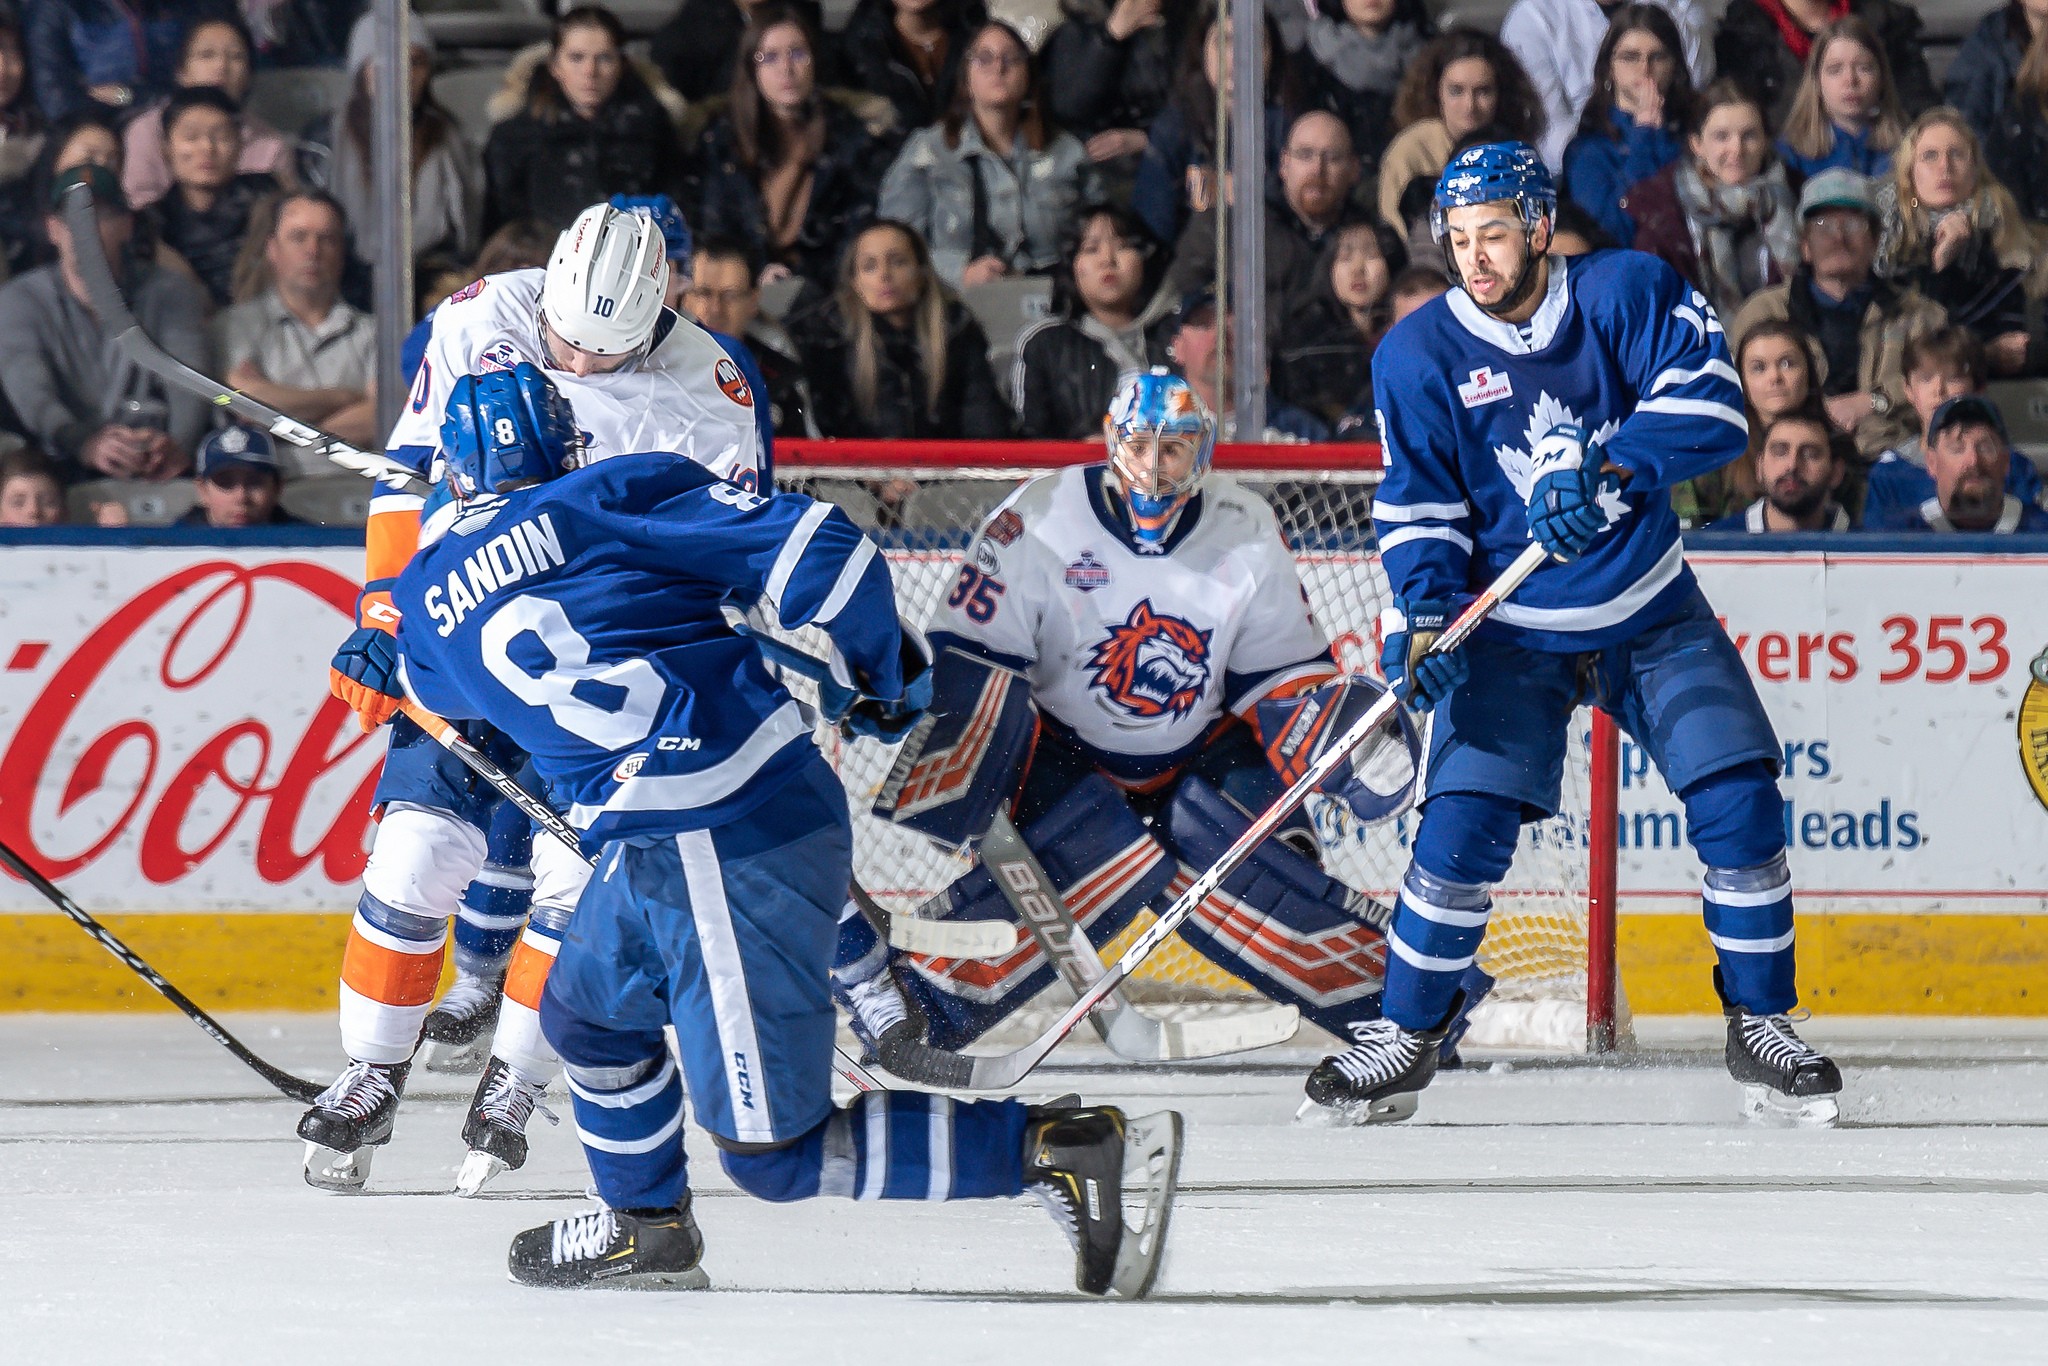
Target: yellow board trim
(1848, 964)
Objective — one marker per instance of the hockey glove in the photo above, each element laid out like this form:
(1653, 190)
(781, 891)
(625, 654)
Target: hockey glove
(1407, 631)
(1565, 489)
(891, 719)
(374, 608)
(364, 674)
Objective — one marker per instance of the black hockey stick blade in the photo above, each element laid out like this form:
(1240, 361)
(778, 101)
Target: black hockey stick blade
(297, 1088)
(1001, 1071)
(141, 348)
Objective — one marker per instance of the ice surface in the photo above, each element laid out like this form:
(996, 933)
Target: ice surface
(151, 1210)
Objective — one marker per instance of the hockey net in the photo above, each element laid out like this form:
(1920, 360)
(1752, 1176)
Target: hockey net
(1550, 941)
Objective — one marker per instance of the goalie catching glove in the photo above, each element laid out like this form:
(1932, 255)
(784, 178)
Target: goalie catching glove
(1566, 487)
(364, 674)
(1378, 779)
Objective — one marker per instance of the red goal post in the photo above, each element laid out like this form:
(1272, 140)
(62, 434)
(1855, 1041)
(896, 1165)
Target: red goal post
(1552, 943)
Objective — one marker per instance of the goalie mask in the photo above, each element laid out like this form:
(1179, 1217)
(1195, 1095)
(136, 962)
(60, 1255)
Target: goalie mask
(1161, 439)
(505, 429)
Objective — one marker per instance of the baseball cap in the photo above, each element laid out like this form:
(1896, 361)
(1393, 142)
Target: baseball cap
(104, 184)
(1837, 189)
(246, 446)
(1966, 410)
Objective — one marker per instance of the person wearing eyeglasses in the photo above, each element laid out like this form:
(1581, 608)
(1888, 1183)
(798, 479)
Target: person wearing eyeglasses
(721, 294)
(993, 187)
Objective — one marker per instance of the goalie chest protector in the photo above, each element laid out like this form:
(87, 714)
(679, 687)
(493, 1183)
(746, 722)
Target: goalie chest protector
(1136, 654)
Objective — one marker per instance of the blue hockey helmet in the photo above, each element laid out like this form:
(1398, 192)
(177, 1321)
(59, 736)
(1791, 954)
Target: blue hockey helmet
(1161, 438)
(504, 429)
(1493, 173)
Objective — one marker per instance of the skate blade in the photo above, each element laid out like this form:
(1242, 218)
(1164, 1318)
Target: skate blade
(1770, 1109)
(478, 1169)
(1151, 1168)
(694, 1279)
(342, 1173)
(1386, 1110)
(457, 1057)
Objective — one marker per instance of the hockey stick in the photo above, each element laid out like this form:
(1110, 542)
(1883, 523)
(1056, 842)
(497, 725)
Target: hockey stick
(1129, 1032)
(142, 350)
(1001, 1071)
(295, 1087)
(544, 816)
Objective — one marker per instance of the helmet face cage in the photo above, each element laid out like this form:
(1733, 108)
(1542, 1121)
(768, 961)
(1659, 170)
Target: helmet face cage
(1150, 415)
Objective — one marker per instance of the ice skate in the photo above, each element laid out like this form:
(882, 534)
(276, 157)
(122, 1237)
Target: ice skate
(1378, 1078)
(1086, 1166)
(612, 1249)
(496, 1127)
(1785, 1081)
(458, 1032)
(349, 1121)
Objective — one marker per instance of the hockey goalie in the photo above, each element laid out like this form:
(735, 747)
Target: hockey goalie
(1127, 671)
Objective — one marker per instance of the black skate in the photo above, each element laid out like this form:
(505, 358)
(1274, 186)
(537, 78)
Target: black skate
(349, 1121)
(1784, 1081)
(496, 1127)
(613, 1249)
(1378, 1078)
(458, 1032)
(1083, 1164)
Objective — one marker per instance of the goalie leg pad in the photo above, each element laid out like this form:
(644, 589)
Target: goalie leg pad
(1280, 923)
(960, 764)
(1107, 867)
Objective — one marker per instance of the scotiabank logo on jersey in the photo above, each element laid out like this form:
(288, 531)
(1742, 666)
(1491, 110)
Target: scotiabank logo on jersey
(1151, 665)
(169, 740)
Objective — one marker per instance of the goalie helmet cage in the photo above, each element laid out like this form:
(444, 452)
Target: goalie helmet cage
(1551, 942)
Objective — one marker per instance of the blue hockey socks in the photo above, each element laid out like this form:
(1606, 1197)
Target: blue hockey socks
(1749, 918)
(494, 905)
(629, 1116)
(894, 1145)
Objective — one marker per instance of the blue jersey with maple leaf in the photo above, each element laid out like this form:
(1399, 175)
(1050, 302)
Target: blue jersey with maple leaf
(1621, 346)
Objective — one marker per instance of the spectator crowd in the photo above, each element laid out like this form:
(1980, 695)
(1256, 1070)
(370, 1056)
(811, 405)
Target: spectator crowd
(854, 201)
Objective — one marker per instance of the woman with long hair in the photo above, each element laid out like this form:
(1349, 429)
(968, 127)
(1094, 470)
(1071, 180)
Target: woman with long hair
(1352, 59)
(1723, 214)
(890, 353)
(1322, 359)
(1460, 83)
(1634, 121)
(1846, 111)
(217, 52)
(1068, 364)
(909, 52)
(2016, 135)
(1176, 176)
(1980, 79)
(1765, 45)
(789, 166)
(583, 125)
(1947, 228)
(992, 187)
(447, 178)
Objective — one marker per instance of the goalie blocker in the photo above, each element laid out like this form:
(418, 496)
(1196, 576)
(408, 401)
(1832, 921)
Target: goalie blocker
(1279, 923)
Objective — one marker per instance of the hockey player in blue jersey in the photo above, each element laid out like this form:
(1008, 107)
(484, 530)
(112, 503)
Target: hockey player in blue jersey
(580, 611)
(1560, 400)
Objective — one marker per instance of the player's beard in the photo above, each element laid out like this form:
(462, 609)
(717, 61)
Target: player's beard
(1977, 501)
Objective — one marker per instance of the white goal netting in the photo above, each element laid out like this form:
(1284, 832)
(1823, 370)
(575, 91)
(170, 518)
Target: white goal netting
(1536, 945)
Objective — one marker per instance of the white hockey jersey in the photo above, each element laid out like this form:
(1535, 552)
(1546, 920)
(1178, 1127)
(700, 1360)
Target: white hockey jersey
(1136, 655)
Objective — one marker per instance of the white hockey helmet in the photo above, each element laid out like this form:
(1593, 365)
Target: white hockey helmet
(605, 281)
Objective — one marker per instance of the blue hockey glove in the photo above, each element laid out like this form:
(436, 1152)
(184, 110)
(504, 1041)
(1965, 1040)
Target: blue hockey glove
(1407, 631)
(884, 719)
(364, 674)
(1566, 485)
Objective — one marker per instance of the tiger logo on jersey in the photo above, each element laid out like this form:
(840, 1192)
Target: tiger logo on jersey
(1152, 664)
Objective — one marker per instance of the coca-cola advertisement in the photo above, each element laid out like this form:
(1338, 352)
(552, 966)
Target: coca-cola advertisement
(170, 743)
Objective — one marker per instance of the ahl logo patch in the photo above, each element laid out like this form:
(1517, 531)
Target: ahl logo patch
(1152, 665)
(732, 384)
(468, 291)
(629, 766)
(1485, 387)
(1087, 574)
(500, 355)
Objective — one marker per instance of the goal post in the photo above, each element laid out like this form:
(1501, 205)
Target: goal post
(1551, 941)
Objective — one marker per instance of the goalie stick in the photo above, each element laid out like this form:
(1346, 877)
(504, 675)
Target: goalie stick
(544, 816)
(142, 350)
(297, 1088)
(1002, 1071)
(1128, 1031)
